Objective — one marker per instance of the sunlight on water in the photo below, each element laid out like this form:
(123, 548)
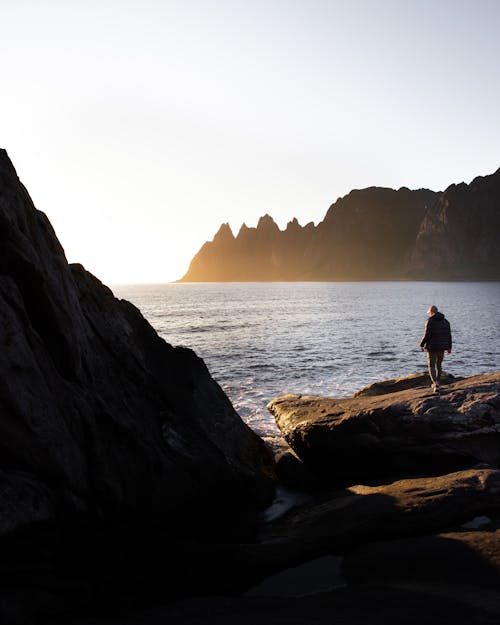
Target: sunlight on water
(262, 340)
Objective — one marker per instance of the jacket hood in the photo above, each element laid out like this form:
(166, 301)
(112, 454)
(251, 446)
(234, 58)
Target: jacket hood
(438, 316)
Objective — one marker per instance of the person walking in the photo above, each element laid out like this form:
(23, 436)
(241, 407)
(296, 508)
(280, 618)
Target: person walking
(437, 340)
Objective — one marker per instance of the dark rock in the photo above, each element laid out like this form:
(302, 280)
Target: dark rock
(291, 471)
(369, 604)
(337, 522)
(458, 237)
(470, 558)
(412, 432)
(318, 575)
(103, 422)
(461, 565)
(341, 520)
(369, 234)
(333, 524)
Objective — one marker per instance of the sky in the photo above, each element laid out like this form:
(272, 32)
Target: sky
(140, 126)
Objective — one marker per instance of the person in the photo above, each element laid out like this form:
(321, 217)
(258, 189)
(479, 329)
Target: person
(437, 340)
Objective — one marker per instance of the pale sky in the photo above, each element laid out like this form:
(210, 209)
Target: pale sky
(139, 126)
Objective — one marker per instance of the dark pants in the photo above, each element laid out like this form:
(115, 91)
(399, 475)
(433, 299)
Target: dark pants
(435, 360)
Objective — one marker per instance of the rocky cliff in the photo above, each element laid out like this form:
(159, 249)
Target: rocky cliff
(370, 234)
(458, 237)
(102, 423)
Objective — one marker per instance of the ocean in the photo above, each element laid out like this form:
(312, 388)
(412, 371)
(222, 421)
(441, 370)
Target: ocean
(263, 340)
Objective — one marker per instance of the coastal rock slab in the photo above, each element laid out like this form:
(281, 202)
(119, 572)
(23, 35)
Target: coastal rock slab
(416, 380)
(410, 432)
(344, 519)
(340, 523)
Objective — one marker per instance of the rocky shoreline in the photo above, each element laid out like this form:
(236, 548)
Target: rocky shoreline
(132, 492)
(420, 547)
(393, 428)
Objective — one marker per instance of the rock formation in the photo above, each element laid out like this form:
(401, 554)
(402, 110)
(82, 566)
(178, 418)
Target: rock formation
(458, 238)
(419, 548)
(102, 422)
(409, 432)
(261, 253)
(370, 234)
(345, 519)
(402, 546)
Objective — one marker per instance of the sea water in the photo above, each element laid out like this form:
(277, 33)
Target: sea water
(263, 340)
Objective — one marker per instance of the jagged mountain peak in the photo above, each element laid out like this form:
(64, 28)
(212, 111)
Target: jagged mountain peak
(243, 230)
(375, 233)
(293, 225)
(224, 233)
(266, 222)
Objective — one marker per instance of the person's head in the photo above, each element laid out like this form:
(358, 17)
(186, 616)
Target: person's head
(432, 310)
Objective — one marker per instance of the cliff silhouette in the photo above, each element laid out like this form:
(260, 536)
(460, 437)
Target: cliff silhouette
(370, 234)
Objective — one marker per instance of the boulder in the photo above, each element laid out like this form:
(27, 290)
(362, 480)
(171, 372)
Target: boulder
(292, 473)
(409, 432)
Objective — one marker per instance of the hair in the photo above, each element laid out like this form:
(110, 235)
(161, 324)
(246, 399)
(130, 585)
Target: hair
(433, 309)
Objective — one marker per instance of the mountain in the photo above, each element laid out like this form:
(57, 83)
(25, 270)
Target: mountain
(458, 238)
(370, 234)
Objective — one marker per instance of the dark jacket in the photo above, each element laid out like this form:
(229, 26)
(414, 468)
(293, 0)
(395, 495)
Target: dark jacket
(437, 335)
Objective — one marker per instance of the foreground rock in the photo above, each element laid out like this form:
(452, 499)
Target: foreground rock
(390, 560)
(464, 558)
(338, 522)
(410, 432)
(103, 422)
(372, 604)
(341, 520)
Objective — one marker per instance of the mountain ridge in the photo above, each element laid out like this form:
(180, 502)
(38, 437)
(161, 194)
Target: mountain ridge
(376, 233)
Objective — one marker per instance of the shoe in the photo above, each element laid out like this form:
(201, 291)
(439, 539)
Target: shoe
(436, 388)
